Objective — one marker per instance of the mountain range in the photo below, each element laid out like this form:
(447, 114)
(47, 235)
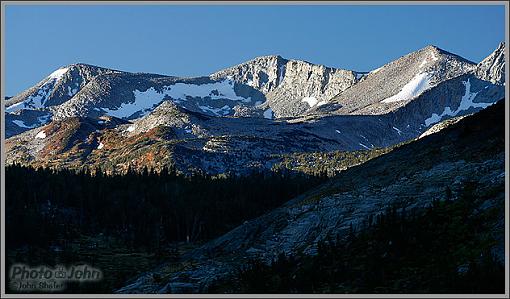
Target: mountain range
(244, 118)
(435, 167)
(423, 131)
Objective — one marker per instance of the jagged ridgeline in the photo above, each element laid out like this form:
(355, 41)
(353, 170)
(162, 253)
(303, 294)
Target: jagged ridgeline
(250, 117)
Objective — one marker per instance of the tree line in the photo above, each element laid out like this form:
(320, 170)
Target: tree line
(144, 209)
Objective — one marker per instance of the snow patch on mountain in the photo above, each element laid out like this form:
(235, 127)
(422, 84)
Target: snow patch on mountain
(434, 56)
(321, 103)
(71, 91)
(34, 102)
(15, 107)
(41, 120)
(146, 100)
(376, 70)
(225, 110)
(312, 101)
(216, 90)
(41, 135)
(281, 74)
(465, 104)
(364, 146)
(38, 100)
(414, 88)
(56, 75)
(22, 124)
(268, 113)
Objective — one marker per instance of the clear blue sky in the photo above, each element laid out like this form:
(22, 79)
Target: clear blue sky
(198, 40)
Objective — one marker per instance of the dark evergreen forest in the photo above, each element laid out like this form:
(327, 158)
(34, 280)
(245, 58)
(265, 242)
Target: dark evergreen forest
(145, 210)
(395, 253)
(148, 212)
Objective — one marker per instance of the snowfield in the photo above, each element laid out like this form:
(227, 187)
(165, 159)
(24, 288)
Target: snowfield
(41, 120)
(376, 70)
(465, 104)
(56, 75)
(364, 146)
(41, 135)
(225, 110)
(146, 100)
(312, 101)
(414, 88)
(268, 113)
(22, 124)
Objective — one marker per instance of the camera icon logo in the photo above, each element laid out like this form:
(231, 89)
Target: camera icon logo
(60, 272)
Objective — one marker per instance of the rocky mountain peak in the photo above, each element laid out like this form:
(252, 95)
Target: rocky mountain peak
(432, 48)
(83, 65)
(261, 72)
(492, 68)
(396, 83)
(58, 87)
(273, 57)
(290, 87)
(264, 87)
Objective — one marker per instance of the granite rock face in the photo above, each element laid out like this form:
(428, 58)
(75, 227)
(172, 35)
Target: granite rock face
(291, 87)
(397, 83)
(492, 68)
(242, 118)
(267, 87)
